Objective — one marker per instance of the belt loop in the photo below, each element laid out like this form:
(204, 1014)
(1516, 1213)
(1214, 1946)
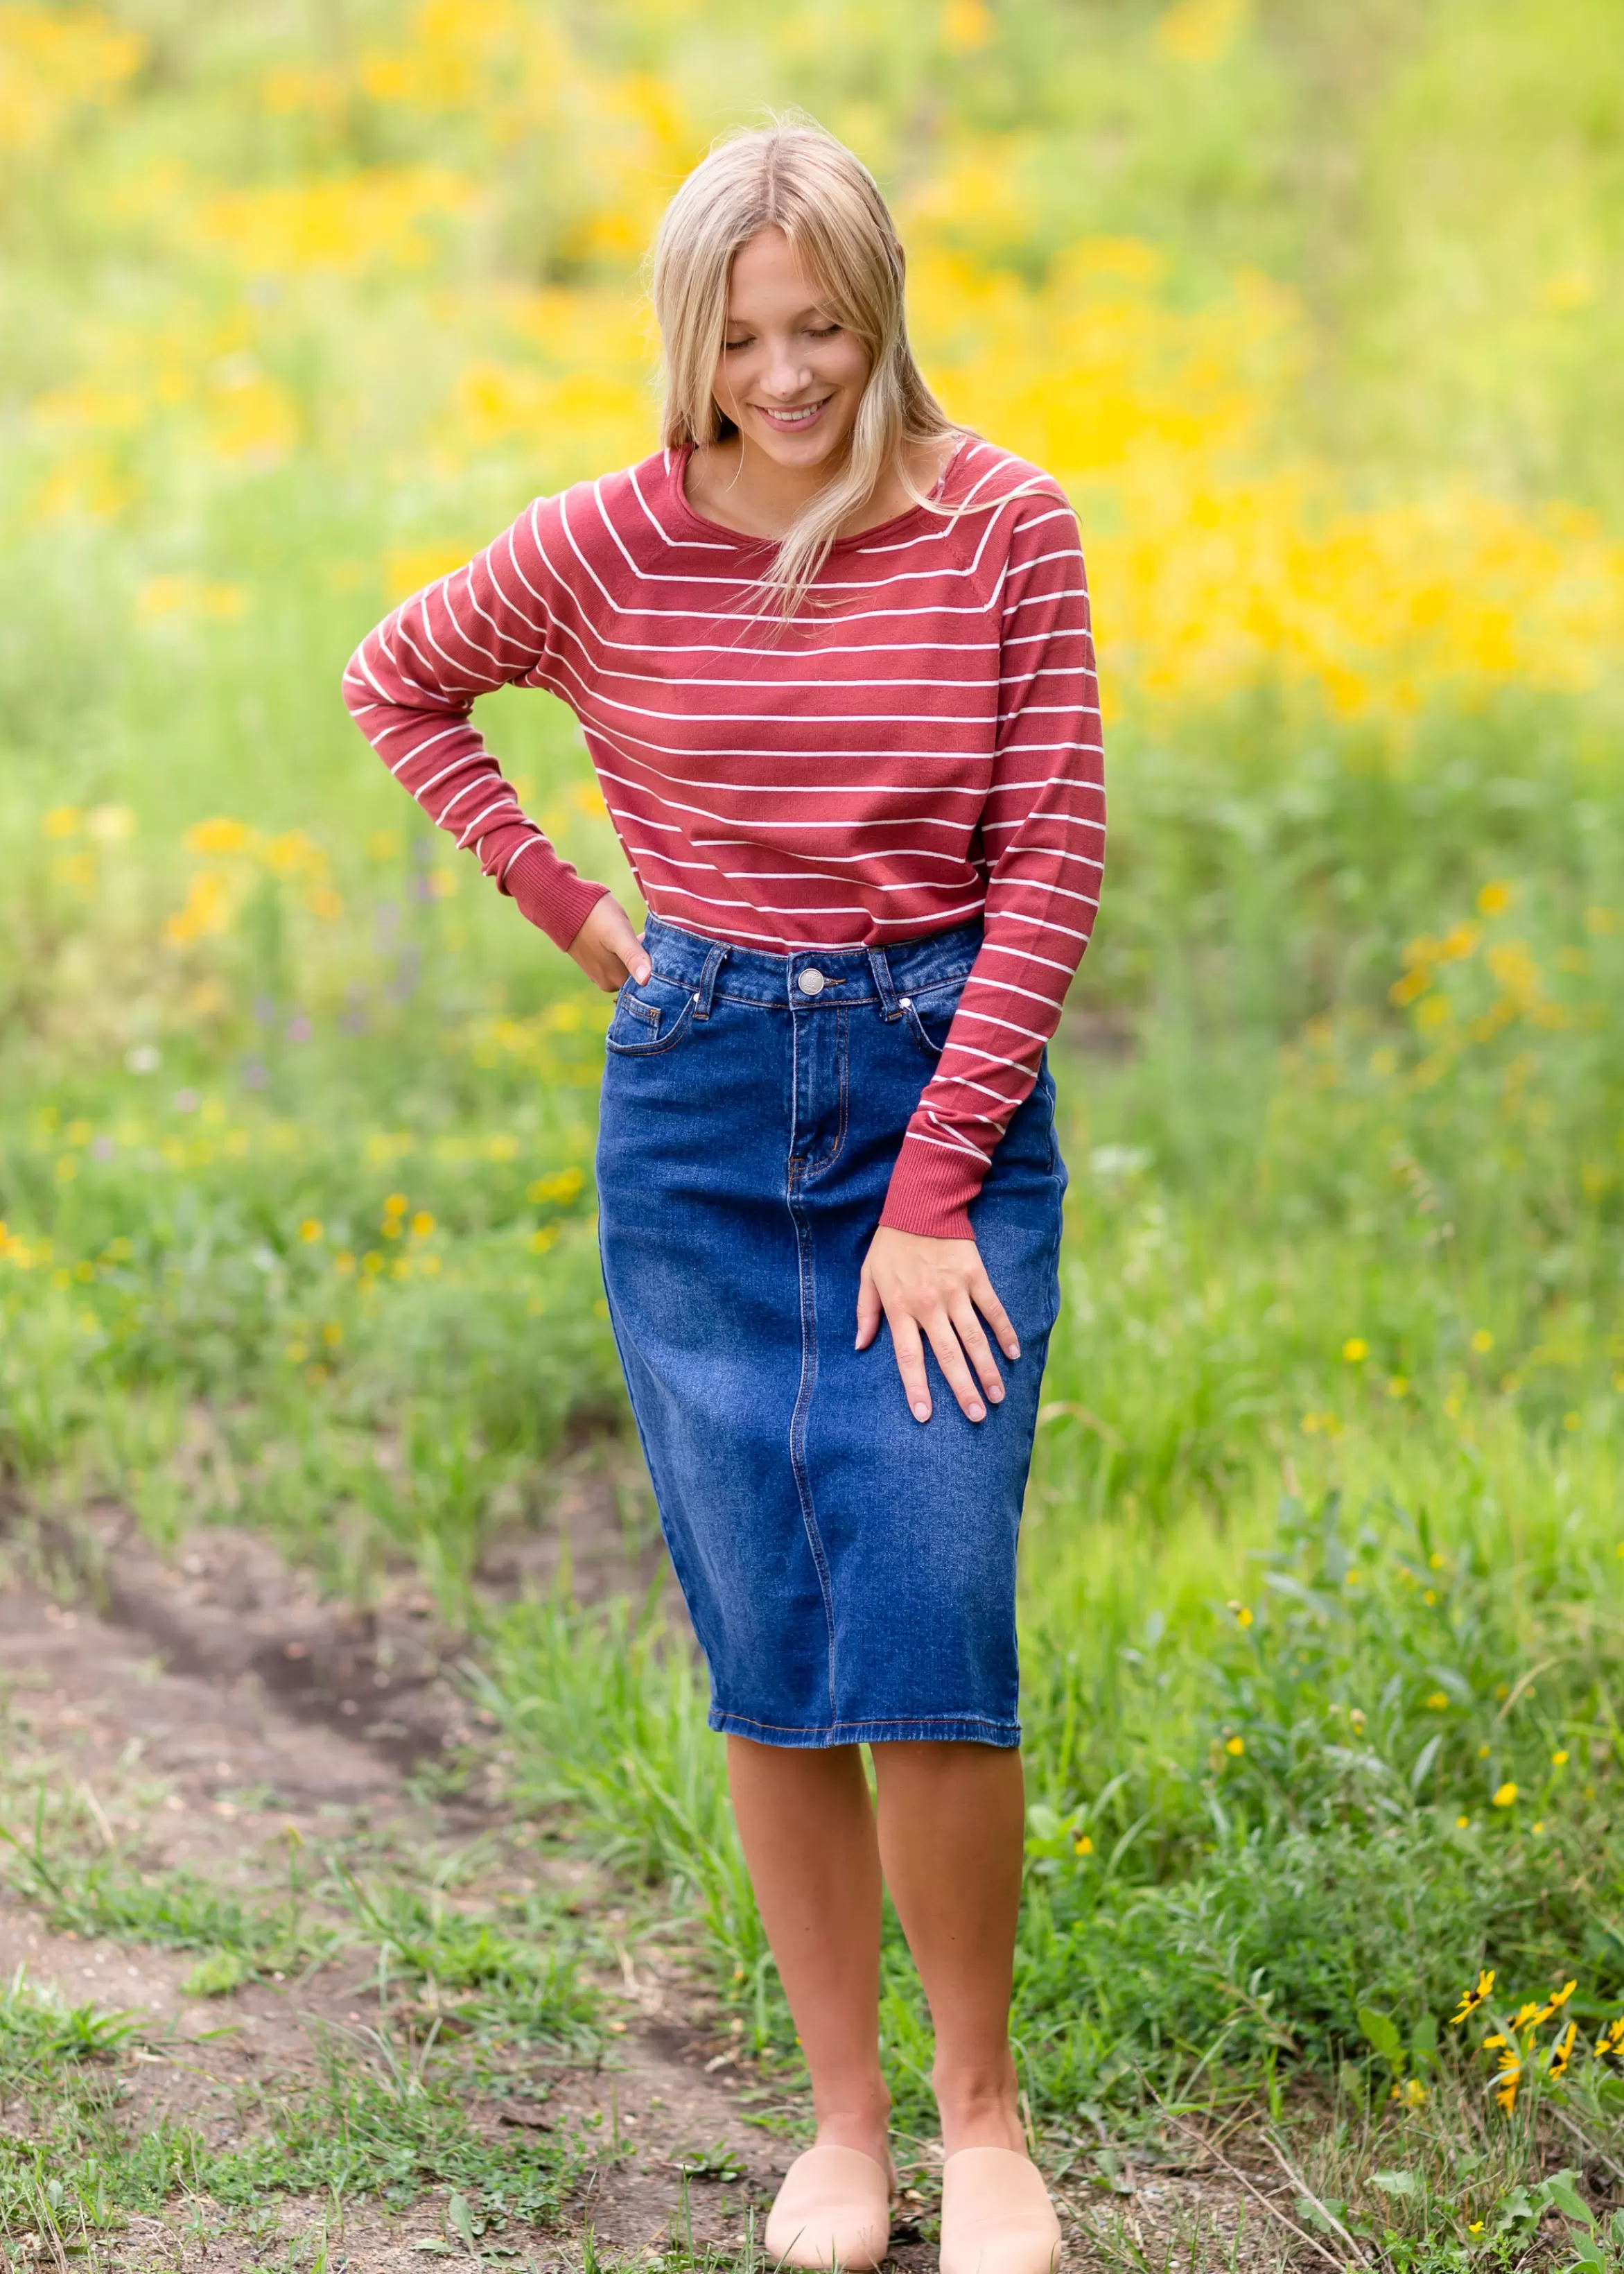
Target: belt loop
(706, 988)
(881, 968)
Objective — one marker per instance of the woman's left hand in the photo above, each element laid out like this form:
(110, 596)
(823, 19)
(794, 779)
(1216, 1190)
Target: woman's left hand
(930, 1290)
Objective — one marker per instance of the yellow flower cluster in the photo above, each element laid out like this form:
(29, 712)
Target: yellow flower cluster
(54, 63)
(1513, 2046)
(234, 856)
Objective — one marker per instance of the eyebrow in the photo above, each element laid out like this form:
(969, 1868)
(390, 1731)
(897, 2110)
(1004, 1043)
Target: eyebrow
(742, 323)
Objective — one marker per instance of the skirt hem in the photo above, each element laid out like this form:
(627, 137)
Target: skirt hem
(964, 1729)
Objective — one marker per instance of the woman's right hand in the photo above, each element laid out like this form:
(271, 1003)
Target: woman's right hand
(608, 950)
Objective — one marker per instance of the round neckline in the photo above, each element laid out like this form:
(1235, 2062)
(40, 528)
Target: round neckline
(743, 539)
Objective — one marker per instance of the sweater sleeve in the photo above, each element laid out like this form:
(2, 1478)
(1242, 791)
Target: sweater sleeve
(410, 688)
(1043, 846)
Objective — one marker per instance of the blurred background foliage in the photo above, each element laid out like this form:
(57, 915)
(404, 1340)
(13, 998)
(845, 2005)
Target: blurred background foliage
(1314, 307)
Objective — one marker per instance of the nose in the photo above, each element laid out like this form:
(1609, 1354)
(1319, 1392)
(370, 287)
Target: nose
(786, 374)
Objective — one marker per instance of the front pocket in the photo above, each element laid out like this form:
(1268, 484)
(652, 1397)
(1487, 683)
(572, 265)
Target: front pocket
(928, 1018)
(654, 1018)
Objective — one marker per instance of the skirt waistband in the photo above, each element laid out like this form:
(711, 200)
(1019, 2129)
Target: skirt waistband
(809, 978)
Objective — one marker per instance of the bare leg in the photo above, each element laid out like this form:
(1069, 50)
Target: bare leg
(807, 1827)
(952, 1831)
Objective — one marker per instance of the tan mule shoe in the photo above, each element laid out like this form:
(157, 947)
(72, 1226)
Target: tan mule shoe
(833, 2210)
(996, 2216)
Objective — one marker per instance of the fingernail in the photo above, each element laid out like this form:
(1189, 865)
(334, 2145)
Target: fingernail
(1014, 1350)
(996, 1396)
(922, 1413)
(978, 1413)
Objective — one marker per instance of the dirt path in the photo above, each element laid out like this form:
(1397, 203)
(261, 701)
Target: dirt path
(216, 1716)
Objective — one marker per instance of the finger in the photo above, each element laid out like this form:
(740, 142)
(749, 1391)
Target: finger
(868, 1311)
(978, 1349)
(984, 1296)
(613, 928)
(950, 1359)
(625, 944)
(910, 1363)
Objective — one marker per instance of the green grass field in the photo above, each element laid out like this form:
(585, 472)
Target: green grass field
(1324, 1642)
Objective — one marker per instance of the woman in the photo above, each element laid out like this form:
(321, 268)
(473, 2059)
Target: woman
(832, 660)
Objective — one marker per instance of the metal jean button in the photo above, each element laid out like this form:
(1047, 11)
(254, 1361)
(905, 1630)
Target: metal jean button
(811, 983)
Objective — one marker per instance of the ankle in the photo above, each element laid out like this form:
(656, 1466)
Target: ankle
(980, 2108)
(862, 2121)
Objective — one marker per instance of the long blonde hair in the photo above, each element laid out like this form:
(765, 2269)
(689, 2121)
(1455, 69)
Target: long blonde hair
(792, 174)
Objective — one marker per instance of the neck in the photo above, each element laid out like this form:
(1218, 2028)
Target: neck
(772, 494)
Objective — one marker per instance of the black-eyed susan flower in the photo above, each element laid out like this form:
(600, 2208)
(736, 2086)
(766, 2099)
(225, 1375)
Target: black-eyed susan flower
(1610, 2045)
(1470, 1999)
(1561, 2052)
(1508, 2077)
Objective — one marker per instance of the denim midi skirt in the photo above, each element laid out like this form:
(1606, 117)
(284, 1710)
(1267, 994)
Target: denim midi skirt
(850, 1572)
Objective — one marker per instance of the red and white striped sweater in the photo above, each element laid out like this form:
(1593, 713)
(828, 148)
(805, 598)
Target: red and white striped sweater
(920, 745)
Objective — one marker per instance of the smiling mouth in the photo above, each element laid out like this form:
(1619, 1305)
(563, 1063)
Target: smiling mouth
(800, 414)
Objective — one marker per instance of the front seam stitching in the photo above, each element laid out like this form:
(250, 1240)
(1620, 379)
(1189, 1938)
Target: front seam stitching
(808, 1364)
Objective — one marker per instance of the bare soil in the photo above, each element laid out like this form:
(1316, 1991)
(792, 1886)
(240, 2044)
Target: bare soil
(203, 1708)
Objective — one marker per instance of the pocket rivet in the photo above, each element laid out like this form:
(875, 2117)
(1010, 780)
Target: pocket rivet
(695, 998)
(904, 1001)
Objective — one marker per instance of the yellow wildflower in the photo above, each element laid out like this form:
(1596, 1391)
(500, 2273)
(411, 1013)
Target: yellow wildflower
(310, 1231)
(1439, 1701)
(1235, 1745)
(1558, 1997)
(1506, 1795)
(1084, 1846)
(1470, 1999)
(1558, 1760)
(1354, 1349)
(1561, 2052)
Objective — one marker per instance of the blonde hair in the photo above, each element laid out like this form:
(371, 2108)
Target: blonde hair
(792, 174)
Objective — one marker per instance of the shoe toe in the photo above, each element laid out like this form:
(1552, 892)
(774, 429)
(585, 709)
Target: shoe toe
(832, 2209)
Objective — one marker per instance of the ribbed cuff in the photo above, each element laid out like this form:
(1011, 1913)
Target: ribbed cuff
(930, 1192)
(549, 893)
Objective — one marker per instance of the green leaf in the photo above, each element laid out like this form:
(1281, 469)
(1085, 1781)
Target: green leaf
(1381, 2031)
(217, 1974)
(1396, 2183)
(1561, 2190)
(432, 2242)
(462, 2219)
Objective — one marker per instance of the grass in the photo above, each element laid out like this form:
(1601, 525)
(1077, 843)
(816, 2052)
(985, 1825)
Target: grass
(382, 2119)
(508, 1969)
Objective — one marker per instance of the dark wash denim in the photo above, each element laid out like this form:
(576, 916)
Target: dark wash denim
(850, 1572)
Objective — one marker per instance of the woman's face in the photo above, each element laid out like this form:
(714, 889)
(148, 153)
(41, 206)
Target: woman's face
(789, 376)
